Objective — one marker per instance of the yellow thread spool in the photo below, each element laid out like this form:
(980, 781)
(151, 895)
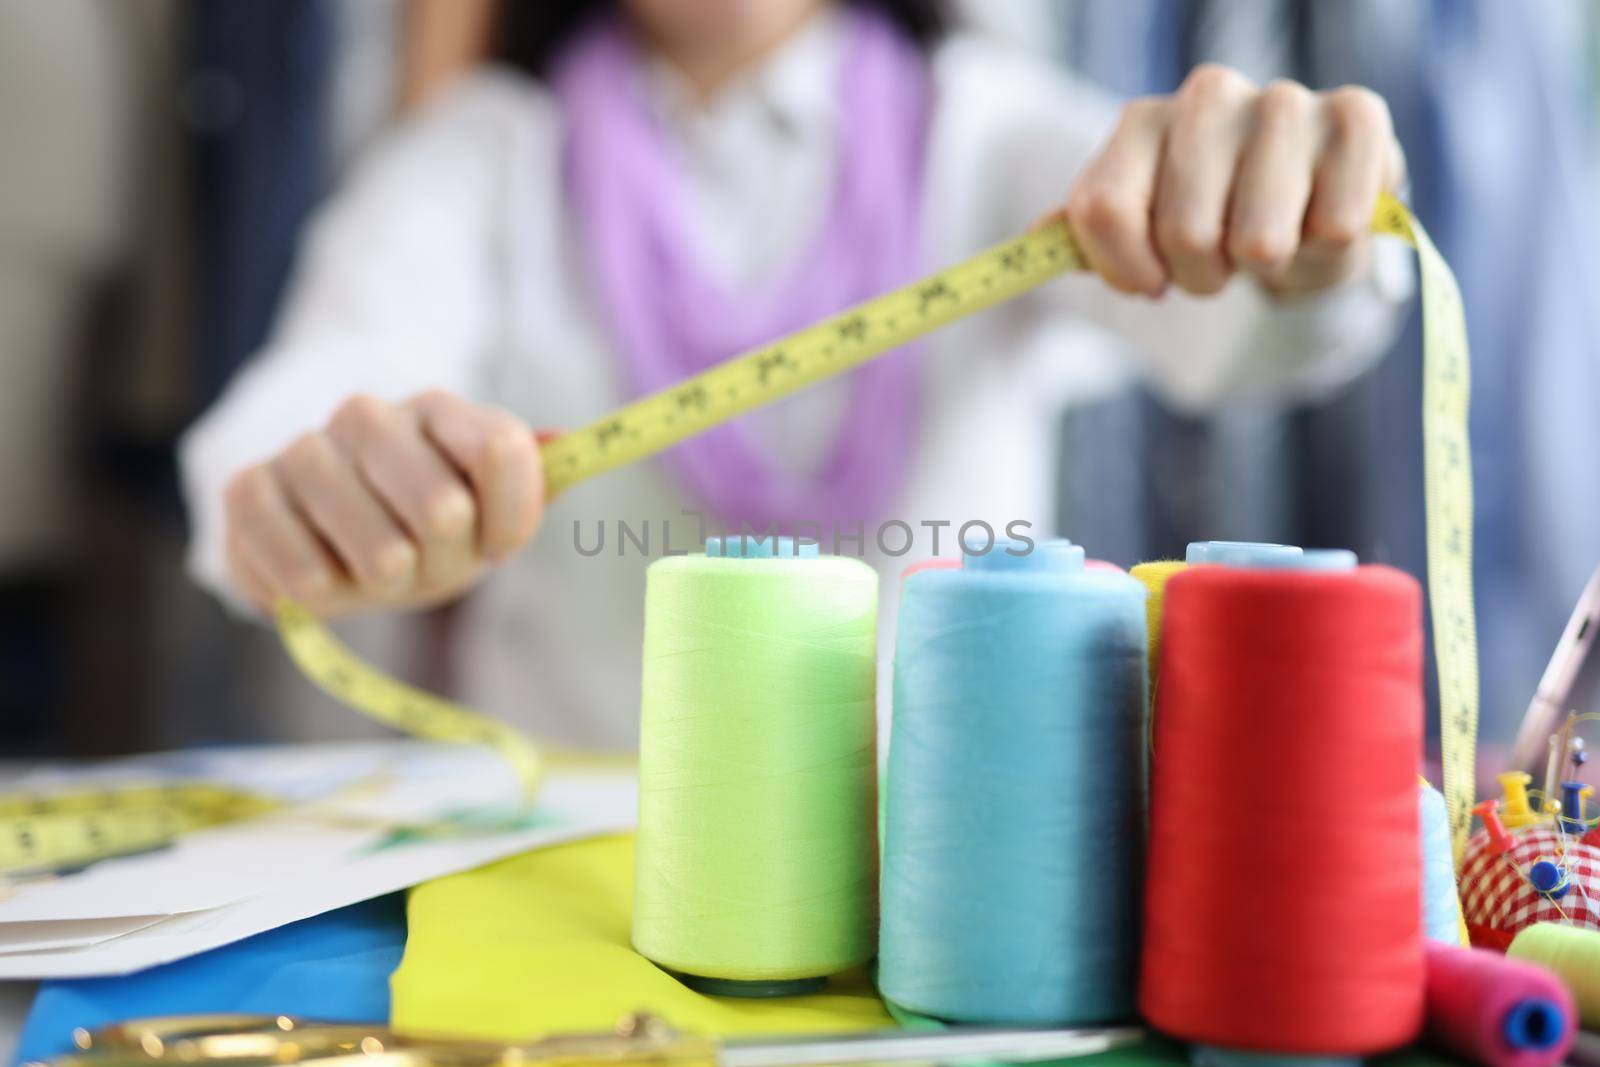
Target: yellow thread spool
(1571, 952)
(1515, 810)
(1154, 576)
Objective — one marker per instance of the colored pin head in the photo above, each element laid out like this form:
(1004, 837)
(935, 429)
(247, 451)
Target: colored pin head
(1499, 840)
(1549, 878)
(1516, 810)
(1572, 807)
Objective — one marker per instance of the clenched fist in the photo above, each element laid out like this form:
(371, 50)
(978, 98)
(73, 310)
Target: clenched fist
(390, 505)
(1223, 176)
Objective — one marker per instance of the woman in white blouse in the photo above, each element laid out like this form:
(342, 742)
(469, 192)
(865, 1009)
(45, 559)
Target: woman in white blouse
(640, 189)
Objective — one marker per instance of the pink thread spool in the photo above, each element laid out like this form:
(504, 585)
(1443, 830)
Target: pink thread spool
(1497, 1011)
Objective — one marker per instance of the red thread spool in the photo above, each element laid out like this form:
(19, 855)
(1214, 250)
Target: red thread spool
(1497, 1011)
(1281, 903)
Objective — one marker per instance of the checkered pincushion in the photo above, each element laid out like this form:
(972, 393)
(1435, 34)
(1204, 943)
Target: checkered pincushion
(1498, 900)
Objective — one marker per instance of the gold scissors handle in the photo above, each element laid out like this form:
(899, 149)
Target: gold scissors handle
(260, 1040)
(637, 1040)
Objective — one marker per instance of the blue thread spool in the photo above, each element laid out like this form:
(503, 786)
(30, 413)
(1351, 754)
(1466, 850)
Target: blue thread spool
(1441, 916)
(1014, 823)
(1264, 556)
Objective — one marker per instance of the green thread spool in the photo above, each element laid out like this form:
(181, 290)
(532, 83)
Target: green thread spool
(1573, 953)
(756, 862)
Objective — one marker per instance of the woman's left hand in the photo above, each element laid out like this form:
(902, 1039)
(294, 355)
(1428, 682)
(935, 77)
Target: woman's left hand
(1224, 176)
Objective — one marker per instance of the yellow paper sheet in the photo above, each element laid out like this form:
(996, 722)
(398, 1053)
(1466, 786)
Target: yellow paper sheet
(539, 943)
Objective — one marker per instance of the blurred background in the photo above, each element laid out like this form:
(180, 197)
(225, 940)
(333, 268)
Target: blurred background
(158, 158)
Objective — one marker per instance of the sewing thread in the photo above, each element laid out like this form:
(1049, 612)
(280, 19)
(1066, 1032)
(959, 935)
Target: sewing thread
(1496, 1011)
(1441, 906)
(757, 843)
(1571, 952)
(1014, 797)
(1154, 577)
(1282, 910)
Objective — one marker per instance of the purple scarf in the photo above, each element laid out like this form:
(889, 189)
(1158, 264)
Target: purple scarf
(669, 320)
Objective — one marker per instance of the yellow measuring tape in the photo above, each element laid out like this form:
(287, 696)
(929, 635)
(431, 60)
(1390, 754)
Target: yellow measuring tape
(1447, 497)
(655, 423)
(661, 420)
(345, 677)
(56, 832)
(730, 389)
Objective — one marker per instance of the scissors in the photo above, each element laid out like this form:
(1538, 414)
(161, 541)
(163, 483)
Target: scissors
(637, 1040)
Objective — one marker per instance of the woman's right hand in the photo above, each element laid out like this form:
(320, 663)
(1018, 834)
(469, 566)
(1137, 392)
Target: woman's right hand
(389, 505)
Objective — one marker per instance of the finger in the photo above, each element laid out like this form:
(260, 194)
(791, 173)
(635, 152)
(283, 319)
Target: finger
(1210, 121)
(247, 578)
(500, 456)
(324, 486)
(1109, 205)
(1268, 207)
(1360, 155)
(425, 493)
(245, 562)
(284, 554)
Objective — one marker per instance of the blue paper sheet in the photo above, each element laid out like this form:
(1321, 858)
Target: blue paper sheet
(334, 966)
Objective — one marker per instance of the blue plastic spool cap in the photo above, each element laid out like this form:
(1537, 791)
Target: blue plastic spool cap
(1053, 555)
(1549, 879)
(1260, 554)
(1240, 553)
(1533, 1024)
(759, 546)
(1327, 559)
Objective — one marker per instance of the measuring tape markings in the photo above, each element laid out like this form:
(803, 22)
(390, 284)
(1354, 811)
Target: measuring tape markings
(46, 833)
(198, 796)
(349, 680)
(1447, 493)
(835, 345)
(656, 422)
